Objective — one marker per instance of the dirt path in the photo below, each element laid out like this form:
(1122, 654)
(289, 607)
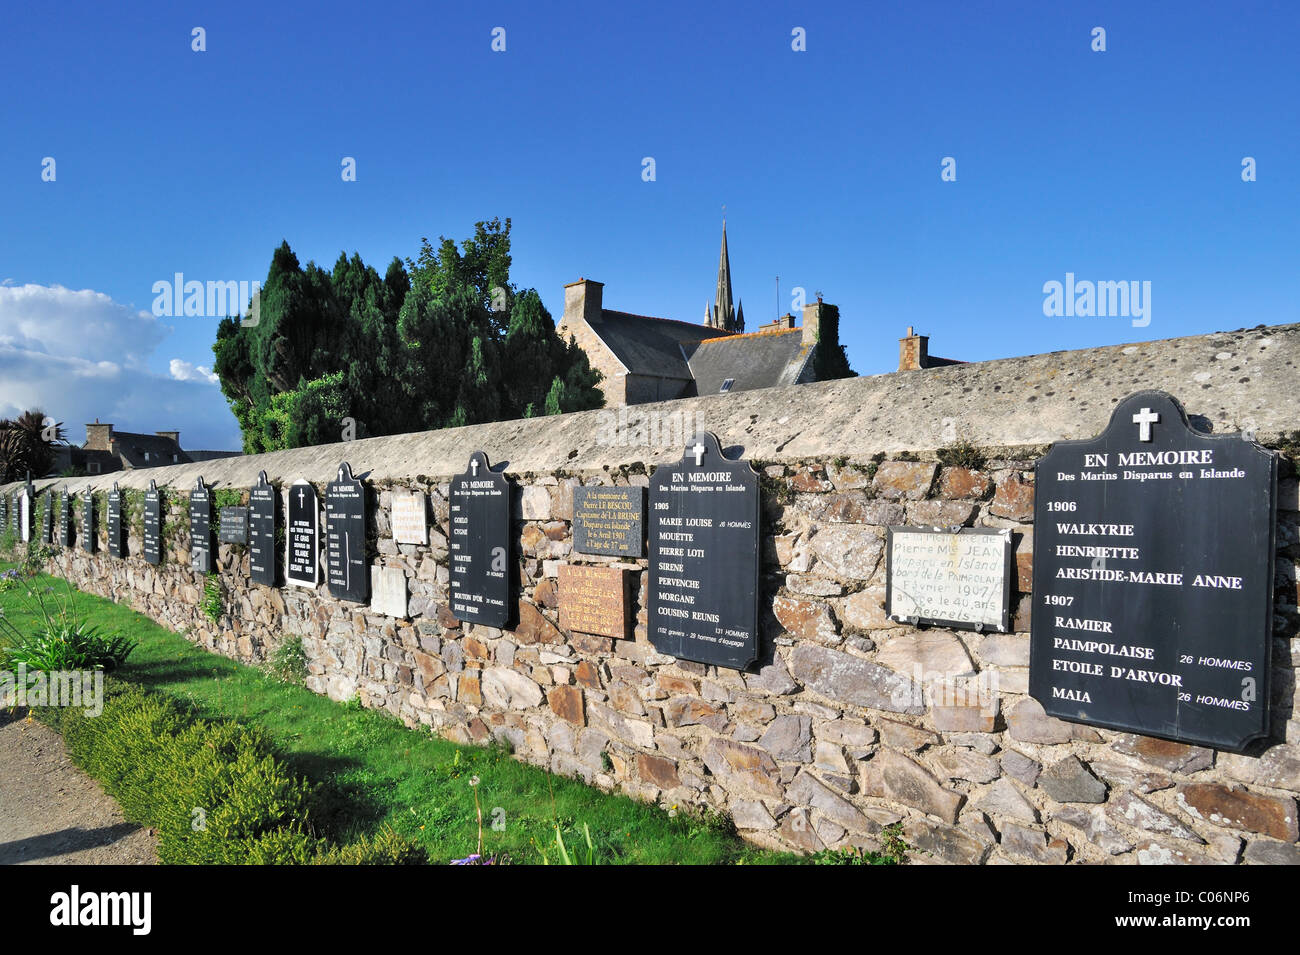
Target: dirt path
(52, 812)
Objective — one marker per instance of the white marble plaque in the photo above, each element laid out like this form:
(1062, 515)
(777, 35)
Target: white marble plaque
(388, 591)
(410, 524)
(950, 579)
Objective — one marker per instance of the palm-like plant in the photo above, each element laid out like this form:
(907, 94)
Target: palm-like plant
(27, 445)
(59, 638)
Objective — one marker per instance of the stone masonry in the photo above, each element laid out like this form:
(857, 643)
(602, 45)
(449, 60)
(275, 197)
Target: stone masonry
(849, 722)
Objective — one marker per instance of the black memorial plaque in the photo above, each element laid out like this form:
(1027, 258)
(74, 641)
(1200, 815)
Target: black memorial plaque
(479, 535)
(65, 518)
(302, 536)
(345, 537)
(703, 582)
(261, 532)
(609, 520)
(232, 527)
(47, 531)
(4, 510)
(1153, 578)
(201, 528)
(152, 536)
(115, 547)
(89, 535)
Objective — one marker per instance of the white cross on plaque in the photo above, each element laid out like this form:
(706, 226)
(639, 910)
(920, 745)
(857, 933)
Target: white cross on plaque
(300, 493)
(1145, 419)
(473, 466)
(698, 451)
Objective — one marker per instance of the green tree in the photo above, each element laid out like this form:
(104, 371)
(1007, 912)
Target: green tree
(441, 341)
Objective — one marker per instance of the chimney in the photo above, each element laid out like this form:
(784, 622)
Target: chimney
(173, 435)
(812, 323)
(583, 301)
(784, 323)
(913, 351)
(99, 437)
(821, 323)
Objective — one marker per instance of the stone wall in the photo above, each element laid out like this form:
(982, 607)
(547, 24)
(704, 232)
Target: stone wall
(844, 726)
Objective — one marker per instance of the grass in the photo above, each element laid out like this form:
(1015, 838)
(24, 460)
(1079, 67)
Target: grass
(372, 772)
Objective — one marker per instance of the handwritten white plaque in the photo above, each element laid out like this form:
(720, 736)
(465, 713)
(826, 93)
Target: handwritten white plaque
(410, 525)
(949, 579)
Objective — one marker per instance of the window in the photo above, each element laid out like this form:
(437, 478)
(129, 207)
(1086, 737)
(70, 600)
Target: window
(94, 468)
(146, 455)
(175, 458)
(726, 386)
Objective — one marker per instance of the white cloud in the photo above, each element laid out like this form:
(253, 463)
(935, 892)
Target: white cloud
(186, 371)
(78, 356)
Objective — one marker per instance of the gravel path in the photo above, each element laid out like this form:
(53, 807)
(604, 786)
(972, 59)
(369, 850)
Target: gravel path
(52, 812)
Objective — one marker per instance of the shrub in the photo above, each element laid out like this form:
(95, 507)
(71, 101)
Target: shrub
(211, 604)
(288, 661)
(214, 789)
(387, 848)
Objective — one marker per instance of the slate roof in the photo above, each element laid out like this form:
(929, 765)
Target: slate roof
(651, 346)
(755, 360)
(132, 448)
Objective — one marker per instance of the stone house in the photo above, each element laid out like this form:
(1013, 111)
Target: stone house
(106, 450)
(647, 359)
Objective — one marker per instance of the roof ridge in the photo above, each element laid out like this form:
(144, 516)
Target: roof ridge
(656, 318)
(763, 331)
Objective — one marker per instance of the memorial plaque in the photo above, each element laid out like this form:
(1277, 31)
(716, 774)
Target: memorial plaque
(703, 581)
(409, 518)
(232, 526)
(151, 542)
(201, 528)
(4, 510)
(47, 531)
(115, 546)
(89, 536)
(388, 587)
(25, 513)
(345, 537)
(608, 520)
(65, 518)
(596, 600)
(302, 536)
(261, 532)
(959, 578)
(479, 544)
(1153, 578)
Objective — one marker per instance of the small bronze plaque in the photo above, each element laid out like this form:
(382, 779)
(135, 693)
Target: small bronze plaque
(595, 600)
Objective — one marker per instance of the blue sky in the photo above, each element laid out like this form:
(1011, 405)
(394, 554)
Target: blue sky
(1116, 165)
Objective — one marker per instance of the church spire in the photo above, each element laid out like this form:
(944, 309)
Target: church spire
(740, 316)
(724, 315)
